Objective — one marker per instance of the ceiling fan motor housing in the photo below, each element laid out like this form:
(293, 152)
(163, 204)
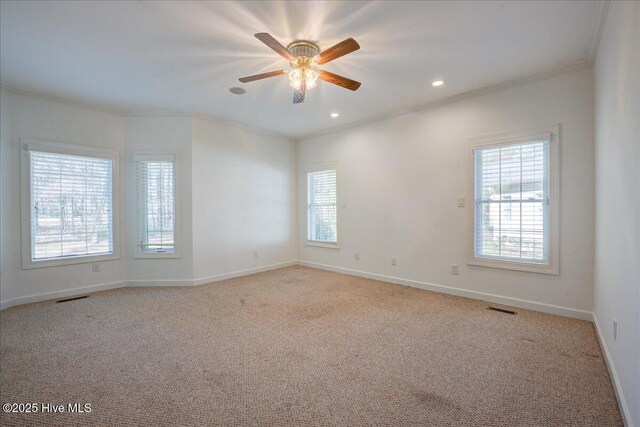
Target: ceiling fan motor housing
(303, 48)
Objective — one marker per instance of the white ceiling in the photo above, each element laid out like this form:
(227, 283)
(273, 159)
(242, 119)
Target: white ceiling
(184, 56)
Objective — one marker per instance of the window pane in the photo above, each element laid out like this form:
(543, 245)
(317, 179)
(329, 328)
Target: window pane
(156, 206)
(322, 214)
(511, 197)
(71, 205)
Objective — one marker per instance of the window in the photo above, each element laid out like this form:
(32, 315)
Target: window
(515, 203)
(322, 207)
(156, 204)
(69, 204)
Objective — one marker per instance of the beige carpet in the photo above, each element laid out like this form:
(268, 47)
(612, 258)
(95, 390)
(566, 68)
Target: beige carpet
(300, 346)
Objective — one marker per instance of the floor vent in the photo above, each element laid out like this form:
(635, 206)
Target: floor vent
(502, 310)
(73, 298)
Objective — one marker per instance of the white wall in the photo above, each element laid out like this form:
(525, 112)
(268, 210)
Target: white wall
(30, 117)
(170, 134)
(400, 179)
(236, 188)
(617, 258)
(244, 192)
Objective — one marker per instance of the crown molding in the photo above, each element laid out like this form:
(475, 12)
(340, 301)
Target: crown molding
(597, 27)
(47, 96)
(213, 119)
(297, 138)
(104, 108)
(579, 66)
(240, 125)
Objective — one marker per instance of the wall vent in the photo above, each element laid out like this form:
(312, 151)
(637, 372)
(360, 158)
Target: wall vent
(502, 310)
(72, 299)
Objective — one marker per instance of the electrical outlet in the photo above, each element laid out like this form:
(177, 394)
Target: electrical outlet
(615, 329)
(394, 261)
(95, 268)
(255, 254)
(454, 269)
(461, 202)
(356, 256)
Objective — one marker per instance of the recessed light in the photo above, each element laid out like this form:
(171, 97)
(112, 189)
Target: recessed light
(334, 115)
(437, 83)
(237, 90)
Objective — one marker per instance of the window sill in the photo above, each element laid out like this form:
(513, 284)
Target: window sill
(516, 266)
(59, 262)
(322, 244)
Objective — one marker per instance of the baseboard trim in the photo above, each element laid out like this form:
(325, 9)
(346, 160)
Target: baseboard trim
(239, 273)
(208, 279)
(498, 299)
(61, 294)
(622, 403)
(515, 302)
(159, 283)
(141, 283)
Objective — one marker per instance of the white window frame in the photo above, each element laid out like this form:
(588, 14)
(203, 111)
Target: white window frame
(553, 135)
(26, 146)
(317, 168)
(151, 156)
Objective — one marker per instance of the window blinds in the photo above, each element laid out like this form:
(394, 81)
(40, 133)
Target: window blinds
(156, 206)
(322, 220)
(512, 202)
(71, 205)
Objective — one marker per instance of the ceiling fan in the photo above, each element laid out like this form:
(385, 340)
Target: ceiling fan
(304, 56)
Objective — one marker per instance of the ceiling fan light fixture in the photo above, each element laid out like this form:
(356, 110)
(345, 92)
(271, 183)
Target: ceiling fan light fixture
(295, 78)
(307, 74)
(311, 78)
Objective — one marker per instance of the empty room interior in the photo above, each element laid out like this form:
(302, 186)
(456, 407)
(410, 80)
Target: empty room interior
(331, 213)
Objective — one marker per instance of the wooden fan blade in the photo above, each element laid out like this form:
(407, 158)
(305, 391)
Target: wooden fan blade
(274, 44)
(347, 46)
(339, 80)
(298, 94)
(262, 76)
